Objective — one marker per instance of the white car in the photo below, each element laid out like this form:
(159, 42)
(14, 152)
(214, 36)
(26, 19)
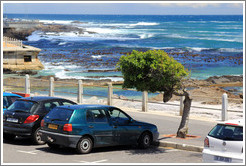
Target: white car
(224, 143)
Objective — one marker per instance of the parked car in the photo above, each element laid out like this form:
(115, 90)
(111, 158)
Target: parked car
(224, 143)
(23, 117)
(88, 126)
(8, 99)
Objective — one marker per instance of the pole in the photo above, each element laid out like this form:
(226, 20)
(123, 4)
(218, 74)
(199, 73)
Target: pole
(110, 93)
(224, 115)
(145, 101)
(51, 92)
(27, 84)
(80, 92)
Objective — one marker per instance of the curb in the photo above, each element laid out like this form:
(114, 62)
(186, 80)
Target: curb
(181, 146)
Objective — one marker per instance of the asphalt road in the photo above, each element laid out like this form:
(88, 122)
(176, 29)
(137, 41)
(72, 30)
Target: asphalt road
(21, 151)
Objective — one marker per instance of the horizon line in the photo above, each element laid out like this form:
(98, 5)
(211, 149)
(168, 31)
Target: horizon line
(135, 14)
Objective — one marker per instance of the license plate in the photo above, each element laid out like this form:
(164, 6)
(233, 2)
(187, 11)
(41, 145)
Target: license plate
(224, 159)
(52, 126)
(12, 120)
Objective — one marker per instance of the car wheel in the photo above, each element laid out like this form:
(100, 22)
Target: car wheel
(53, 146)
(36, 137)
(85, 145)
(144, 140)
(8, 137)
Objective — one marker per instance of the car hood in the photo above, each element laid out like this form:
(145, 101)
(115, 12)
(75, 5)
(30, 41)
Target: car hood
(143, 123)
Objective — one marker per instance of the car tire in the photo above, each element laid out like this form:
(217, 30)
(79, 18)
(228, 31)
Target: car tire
(144, 140)
(8, 137)
(37, 138)
(53, 146)
(84, 145)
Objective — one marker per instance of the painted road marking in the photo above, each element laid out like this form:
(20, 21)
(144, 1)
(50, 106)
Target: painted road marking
(99, 161)
(28, 152)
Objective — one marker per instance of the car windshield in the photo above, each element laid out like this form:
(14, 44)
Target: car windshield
(59, 114)
(227, 132)
(22, 106)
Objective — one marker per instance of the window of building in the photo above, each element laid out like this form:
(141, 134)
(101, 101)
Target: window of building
(27, 58)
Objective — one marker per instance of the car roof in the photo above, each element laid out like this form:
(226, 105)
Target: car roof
(10, 94)
(40, 98)
(83, 106)
(239, 122)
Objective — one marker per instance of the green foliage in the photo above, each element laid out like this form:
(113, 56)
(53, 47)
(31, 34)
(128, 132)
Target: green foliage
(152, 71)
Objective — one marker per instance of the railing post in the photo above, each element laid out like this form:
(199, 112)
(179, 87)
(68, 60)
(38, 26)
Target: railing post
(181, 106)
(27, 84)
(110, 93)
(51, 92)
(80, 92)
(224, 114)
(145, 101)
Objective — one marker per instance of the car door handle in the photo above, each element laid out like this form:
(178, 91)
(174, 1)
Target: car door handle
(91, 126)
(115, 127)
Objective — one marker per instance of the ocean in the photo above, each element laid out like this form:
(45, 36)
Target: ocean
(207, 45)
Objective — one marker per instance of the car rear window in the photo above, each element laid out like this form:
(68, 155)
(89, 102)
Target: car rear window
(23, 106)
(227, 132)
(60, 114)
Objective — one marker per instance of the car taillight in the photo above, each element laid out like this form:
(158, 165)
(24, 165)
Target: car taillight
(31, 118)
(232, 124)
(67, 127)
(206, 142)
(42, 123)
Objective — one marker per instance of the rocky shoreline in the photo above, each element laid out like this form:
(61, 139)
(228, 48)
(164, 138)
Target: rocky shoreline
(22, 34)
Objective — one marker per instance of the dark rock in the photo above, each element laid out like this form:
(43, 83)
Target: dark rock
(225, 79)
(24, 72)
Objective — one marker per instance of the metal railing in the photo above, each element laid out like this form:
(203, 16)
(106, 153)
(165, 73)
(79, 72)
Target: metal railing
(11, 42)
(78, 91)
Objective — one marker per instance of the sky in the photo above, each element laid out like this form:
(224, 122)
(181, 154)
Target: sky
(140, 8)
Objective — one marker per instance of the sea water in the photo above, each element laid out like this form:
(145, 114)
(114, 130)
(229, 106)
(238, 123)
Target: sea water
(207, 45)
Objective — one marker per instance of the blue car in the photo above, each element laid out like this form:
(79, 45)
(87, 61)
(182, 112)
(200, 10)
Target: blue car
(8, 99)
(84, 127)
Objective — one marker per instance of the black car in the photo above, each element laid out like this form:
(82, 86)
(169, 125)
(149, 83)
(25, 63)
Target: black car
(88, 126)
(23, 117)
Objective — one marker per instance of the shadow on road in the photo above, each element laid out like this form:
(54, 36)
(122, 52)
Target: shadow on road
(128, 149)
(24, 141)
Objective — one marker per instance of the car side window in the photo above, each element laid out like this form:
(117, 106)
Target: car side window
(118, 117)
(96, 115)
(13, 98)
(66, 103)
(5, 102)
(50, 105)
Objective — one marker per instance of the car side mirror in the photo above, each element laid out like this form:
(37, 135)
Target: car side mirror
(131, 120)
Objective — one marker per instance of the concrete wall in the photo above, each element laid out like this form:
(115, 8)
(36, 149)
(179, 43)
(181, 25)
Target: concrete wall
(13, 59)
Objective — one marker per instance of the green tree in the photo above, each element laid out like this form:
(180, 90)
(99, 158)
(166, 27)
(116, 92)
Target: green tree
(155, 71)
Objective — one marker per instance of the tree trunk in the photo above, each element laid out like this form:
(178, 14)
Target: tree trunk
(183, 127)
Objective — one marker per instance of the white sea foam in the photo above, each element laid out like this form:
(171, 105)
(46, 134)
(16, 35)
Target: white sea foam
(96, 56)
(144, 24)
(145, 35)
(62, 43)
(203, 38)
(231, 50)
